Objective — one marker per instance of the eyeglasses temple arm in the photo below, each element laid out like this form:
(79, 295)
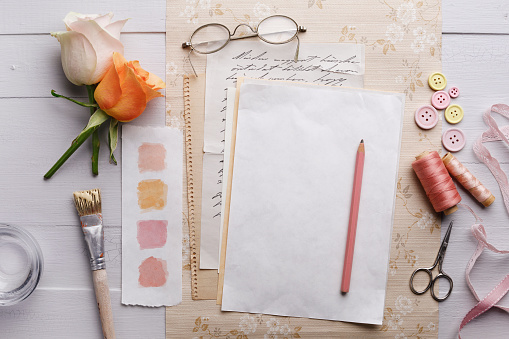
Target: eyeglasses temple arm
(296, 58)
(189, 58)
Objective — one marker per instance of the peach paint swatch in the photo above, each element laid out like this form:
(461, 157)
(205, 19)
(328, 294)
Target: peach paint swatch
(152, 272)
(152, 194)
(151, 216)
(152, 233)
(151, 157)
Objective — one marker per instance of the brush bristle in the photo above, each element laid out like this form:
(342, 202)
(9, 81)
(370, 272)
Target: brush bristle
(88, 202)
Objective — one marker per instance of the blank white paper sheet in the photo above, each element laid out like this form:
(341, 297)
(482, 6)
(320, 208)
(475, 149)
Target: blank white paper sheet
(290, 201)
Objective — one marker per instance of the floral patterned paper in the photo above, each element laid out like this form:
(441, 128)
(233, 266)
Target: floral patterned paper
(403, 46)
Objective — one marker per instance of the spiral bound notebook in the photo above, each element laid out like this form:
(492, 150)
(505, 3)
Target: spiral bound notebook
(203, 282)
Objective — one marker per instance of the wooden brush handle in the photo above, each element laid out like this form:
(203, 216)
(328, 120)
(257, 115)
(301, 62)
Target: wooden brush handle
(102, 294)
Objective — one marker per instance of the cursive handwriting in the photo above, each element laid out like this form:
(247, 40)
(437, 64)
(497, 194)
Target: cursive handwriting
(323, 64)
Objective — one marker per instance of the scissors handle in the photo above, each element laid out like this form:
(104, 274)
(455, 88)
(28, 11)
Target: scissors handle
(430, 276)
(436, 296)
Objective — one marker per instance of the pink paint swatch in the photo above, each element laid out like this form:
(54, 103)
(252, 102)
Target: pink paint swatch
(153, 272)
(152, 233)
(151, 157)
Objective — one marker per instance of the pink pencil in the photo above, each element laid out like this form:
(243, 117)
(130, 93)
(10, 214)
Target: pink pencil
(352, 223)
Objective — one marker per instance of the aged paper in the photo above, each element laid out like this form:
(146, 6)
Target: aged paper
(326, 64)
(323, 64)
(290, 200)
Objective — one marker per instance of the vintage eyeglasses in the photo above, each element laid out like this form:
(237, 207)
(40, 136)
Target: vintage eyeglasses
(276, 29)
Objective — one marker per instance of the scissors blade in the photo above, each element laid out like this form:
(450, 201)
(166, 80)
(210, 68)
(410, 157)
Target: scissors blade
(445, 242)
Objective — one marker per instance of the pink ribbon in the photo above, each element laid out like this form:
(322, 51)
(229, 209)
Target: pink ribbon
(497, 293)
(494, 133)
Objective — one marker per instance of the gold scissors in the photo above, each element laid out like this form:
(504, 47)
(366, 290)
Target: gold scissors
(441, 274)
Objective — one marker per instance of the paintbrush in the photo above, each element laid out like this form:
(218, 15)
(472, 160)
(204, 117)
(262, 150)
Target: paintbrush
(88, 204)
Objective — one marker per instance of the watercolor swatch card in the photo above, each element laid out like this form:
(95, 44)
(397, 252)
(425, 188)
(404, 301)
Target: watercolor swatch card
(151, 216)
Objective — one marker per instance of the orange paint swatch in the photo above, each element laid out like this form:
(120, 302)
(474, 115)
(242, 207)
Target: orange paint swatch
(152, 194)
(153, 272)
(151, 157)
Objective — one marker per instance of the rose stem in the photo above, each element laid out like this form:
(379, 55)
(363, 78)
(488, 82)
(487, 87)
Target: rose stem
(95, 136)
(74, 146)
(56, 95)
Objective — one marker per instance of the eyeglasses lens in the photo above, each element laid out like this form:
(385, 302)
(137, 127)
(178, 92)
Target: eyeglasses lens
(210, 38)
(277, 29)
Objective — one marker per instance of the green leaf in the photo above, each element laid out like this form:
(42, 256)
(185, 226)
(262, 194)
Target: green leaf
(95, 120)
(93, 124)
(113, 138)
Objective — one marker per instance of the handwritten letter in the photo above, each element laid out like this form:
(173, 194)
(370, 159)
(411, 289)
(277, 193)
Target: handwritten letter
(324, 64)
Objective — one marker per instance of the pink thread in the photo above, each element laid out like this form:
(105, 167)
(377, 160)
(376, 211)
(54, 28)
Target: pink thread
(467, 179)
(436, 181)
(494, 133)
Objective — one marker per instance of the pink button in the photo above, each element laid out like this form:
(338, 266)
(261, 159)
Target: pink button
(454, 92)
(453, 139)
(440, 100)
(426, 117)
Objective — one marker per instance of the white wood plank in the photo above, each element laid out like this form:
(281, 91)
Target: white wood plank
(488, 271)
(32, 141)
(473, 64)
(67, 265)
(34, 16)
(55, 314)
(488, 16)
(31, 65)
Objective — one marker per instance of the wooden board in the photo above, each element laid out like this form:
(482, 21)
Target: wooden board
(35, 17)
(34, 130)
(473, 64)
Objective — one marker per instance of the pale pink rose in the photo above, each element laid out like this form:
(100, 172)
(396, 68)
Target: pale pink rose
(88, 46)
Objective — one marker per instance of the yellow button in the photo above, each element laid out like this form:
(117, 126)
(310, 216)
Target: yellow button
(453, 114)
(437, 81)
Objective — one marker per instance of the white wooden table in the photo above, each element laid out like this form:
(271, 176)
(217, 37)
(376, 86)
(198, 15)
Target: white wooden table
(475, 51)
(36, 128)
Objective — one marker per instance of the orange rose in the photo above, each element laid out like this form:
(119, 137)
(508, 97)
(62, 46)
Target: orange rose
(126, 88)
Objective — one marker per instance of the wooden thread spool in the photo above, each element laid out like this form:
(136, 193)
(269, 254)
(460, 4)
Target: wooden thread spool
(443, 198)
(468, 180)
